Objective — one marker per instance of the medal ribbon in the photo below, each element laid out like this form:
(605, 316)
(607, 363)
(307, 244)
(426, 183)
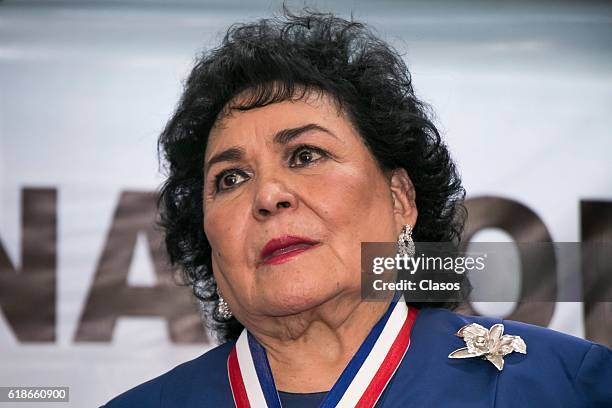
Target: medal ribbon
(361, 383)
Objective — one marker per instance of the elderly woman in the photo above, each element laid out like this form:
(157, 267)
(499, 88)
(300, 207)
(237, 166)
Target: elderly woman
(296, 140)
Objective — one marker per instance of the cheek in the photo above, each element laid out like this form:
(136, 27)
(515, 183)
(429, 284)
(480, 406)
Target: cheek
(354, 207)
(222, 226)
(353, 201)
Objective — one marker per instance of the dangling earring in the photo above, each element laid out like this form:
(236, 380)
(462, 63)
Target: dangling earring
(223, 311)
(405, 244)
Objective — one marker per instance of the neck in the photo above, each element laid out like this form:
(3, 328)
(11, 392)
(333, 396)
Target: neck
(308, 351)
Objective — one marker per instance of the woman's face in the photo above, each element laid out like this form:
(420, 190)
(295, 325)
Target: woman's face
(290, 193)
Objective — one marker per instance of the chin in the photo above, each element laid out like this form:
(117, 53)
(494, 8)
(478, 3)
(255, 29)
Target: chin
(284, 300)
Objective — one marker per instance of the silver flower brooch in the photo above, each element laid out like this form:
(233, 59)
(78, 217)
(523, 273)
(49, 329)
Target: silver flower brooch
(491, 344)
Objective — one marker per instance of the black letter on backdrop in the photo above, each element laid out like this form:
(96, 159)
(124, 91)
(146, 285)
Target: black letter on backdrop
(596, 222)
(111, 298)
(523, 225)
(27, 298)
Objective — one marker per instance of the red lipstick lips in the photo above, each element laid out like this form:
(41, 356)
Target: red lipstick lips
(281, 249)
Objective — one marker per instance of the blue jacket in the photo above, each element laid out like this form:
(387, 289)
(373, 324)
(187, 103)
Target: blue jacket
(558, 371)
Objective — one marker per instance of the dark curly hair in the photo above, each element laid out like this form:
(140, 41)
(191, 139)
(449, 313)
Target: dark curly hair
(281, 58)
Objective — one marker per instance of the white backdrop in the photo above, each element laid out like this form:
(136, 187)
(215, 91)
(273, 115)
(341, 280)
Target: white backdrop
(523, 96)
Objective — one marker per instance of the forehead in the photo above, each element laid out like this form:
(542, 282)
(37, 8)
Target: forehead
(234, 126)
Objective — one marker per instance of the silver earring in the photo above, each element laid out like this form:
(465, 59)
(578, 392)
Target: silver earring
(223, 310)
(405, 244)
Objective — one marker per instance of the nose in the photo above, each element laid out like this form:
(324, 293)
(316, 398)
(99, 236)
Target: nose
(272, 196)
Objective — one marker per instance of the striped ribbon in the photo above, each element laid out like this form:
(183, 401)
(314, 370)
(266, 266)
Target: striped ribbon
(361, 383)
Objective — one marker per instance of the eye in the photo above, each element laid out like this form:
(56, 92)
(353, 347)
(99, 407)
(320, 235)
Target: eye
(229, 179)
(304, 155)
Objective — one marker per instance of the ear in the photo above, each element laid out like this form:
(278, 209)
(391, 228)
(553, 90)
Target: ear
(404, 199)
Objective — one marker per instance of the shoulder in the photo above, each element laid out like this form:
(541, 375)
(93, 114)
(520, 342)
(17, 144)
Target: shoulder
(176, 386)
(557, 367)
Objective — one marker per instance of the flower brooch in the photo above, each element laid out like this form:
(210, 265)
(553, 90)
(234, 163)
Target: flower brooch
(491, 344)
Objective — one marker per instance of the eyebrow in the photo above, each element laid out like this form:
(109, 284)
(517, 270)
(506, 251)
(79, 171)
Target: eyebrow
(286, 135)
(281, 137)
